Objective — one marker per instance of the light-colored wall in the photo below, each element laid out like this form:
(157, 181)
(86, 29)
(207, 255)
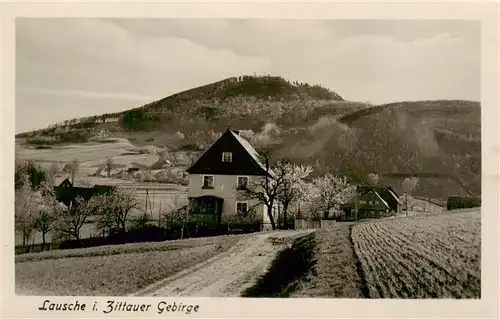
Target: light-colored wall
(224, 187)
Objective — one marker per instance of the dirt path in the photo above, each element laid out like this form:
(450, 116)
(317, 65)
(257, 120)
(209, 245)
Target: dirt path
(227, 274)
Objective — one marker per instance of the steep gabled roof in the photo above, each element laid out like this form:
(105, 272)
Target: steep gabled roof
(66, 183)
(249, 148)
(383, 201)
(389, 188)
(376, 194)
(379, 189)
(363, 189)
(245, 159)
(393, 194)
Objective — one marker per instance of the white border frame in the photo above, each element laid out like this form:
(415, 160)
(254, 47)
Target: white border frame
(485, 11)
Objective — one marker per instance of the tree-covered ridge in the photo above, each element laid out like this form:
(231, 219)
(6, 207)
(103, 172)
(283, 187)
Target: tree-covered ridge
(438, 141)
(203, 100)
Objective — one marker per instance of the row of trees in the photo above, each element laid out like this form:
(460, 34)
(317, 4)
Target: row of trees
(36, 209)
(300, 196)
(290, 186)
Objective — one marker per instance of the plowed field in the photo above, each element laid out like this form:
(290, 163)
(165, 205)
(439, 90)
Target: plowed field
(430, 257)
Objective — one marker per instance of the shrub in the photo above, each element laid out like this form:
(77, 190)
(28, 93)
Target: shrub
(35, 173)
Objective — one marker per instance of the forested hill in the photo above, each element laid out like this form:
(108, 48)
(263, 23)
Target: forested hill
(439, 141)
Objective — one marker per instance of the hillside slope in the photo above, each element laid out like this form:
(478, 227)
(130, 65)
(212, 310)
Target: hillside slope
(438, 141)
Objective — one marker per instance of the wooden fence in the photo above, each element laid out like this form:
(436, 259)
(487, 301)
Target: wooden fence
(313, 224)
(441, 203)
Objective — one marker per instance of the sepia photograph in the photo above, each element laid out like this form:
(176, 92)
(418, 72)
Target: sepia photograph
(248, 158)
(260, 158)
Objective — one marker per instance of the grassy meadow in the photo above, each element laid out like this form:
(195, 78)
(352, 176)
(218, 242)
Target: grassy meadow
(112, 270)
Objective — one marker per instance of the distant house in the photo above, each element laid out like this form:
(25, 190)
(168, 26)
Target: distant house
(111, 119)
(103, 119)
(66, 183)
(217, 179)
(372, 202)
(66, 193)
(134, 167)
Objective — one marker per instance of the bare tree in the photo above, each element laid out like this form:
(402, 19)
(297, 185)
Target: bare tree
(267, 189)
(45, 219)
(54, 169)
(175, 211)
(27, 204)
(373, 179)
(409, 185)
(72, 169)
(71, 219)
(35, 173)
(44, 223)
(292, 187)
(331, 191)
(109, 166)
(175, 214)
(113, 208)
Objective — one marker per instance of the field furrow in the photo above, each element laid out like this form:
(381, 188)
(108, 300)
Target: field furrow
(387, 263)
(398, 264)
(433, 257)
(361, 248)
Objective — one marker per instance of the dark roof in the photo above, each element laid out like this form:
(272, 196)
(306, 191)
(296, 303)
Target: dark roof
(102, 189)
(373, 189)
(363, 189)
(65, 183)
(392, 191)
(67, 194)
(381, 191)
(245, 160)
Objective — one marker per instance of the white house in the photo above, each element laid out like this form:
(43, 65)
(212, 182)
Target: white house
(217, 178)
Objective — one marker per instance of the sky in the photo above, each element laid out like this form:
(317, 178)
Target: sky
(73, 67)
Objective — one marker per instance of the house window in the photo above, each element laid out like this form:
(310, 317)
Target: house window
(242, 182)
(208, 181)
(242, 208)
(227, 157)
(362, 202)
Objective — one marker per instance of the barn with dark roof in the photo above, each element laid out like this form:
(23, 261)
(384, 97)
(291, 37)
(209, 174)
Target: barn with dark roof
(67, 193)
